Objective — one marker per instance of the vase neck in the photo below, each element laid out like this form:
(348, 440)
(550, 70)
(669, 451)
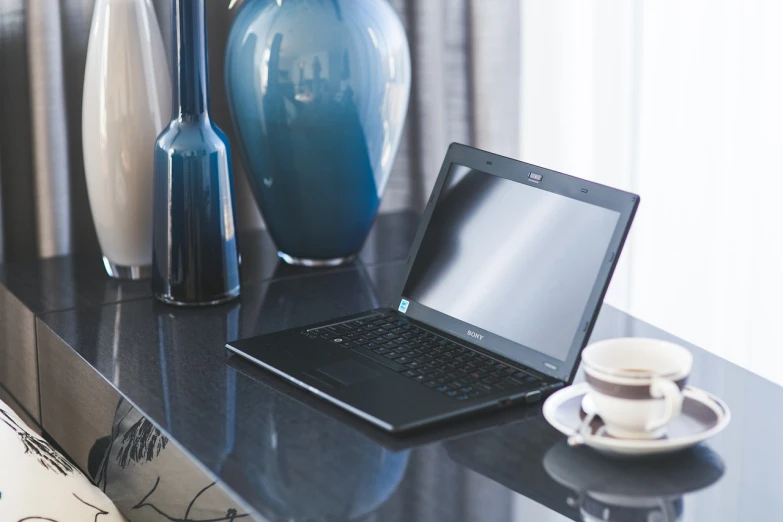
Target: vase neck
(191, 89)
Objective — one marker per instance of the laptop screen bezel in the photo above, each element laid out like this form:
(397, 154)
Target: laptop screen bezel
(624, 203)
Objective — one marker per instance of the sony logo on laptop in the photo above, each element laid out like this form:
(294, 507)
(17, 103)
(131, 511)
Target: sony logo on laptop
(475, 335)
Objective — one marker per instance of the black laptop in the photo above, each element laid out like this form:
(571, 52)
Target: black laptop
(503, 285)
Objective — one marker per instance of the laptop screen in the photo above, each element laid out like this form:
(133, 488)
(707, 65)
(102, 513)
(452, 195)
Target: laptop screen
(514, 260)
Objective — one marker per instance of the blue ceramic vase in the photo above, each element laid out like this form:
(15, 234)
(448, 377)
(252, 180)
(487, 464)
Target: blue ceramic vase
(195, 255)
(318, 92)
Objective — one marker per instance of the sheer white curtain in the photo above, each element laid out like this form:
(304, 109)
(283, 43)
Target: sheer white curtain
(681, 102)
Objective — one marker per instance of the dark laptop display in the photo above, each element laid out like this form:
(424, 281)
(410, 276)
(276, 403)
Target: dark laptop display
(503, 286)
(511, 260)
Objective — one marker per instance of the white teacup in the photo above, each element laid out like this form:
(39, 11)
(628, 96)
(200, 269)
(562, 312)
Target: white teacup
(636, 384)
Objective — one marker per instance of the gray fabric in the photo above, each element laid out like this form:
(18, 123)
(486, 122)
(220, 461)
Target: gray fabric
(49, 126)
(19, 236)
(465, 53)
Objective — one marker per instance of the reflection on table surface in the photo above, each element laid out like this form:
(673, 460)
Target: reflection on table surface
(615, 490)
(277, 447)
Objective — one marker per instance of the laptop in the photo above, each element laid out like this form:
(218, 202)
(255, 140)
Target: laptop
(503, 285)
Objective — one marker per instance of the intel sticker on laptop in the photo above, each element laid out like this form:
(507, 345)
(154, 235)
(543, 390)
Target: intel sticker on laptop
(403, 306)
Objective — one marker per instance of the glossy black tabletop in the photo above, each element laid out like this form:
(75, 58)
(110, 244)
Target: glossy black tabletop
(293, 457)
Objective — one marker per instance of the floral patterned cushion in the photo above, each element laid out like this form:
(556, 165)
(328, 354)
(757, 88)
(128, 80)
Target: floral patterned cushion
(38, 484)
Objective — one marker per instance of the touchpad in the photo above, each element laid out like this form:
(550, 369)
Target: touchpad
(348, 372)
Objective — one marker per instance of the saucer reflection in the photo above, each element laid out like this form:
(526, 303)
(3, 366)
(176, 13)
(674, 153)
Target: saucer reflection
(614, 490)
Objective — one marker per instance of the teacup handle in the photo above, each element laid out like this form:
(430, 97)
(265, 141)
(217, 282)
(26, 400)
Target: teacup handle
(672, 396)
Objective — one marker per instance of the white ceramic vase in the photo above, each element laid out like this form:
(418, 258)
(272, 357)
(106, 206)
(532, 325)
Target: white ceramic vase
(127, 102)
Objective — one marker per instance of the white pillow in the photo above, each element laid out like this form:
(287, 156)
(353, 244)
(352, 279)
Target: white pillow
(38, 484)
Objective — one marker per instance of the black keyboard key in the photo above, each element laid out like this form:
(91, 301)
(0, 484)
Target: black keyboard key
(420, 378)
(393, 355)
(482, 386)
(530, 378)
(410, 373)
(490, 380)
(442, 389)
(349, 344)
(452, 393)
(402, 349)
(466, 389)
(431, 384)
(390, 336)
(382, 350)
(461, 397)
(476, 393)
(390, 345)
(402, 359)
(413, 365)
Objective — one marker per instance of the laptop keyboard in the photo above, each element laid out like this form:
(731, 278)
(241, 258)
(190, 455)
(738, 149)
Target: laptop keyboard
(436, 362)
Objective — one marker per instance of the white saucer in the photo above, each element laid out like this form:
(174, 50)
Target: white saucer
(703, 415)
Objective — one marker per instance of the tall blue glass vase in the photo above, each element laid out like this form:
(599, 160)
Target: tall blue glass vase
(318, 92)
(195, 255)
